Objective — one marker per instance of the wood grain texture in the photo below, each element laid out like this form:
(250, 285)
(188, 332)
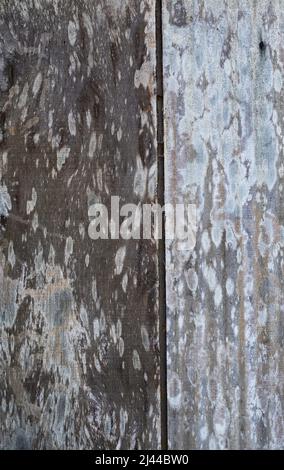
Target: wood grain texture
(224, 123)
(79, 351)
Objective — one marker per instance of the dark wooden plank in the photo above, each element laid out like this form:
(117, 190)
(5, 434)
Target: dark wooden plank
(79, 348)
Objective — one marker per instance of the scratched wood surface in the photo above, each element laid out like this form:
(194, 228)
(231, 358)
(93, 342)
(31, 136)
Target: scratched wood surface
(79, 353)
(224, 123)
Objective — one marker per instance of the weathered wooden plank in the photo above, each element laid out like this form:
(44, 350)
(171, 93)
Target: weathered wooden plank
(79, 352)
(223, 67)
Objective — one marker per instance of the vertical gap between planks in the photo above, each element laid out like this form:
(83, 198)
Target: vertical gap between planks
(162, 246)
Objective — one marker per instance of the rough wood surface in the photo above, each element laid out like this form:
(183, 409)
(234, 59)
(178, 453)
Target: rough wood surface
(79, 353)
(224, 123)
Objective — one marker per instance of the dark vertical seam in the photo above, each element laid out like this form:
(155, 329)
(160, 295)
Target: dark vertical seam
(162, 245)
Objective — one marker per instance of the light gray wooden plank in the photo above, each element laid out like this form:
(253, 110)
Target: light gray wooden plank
(79, 354)
(224, 121)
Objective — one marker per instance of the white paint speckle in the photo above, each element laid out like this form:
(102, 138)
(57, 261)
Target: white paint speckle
(89, 118)
(32, 203)
(87, 260)
(97, 364)
(125, 282)
(143, 75)
(278, 81)
(11, 255)
(119, 260)
(262, 317)
(204, 433)
(174, 390)
(152, 182)
(218, 296)
(140, 179)
(121, 347)
(72, 33)
(62, 156)
(24, 96)
(36, 138)
(230, 286)
(205, 241)
(92, 145)
(145, 338)
(119, 134)
(96, 327)
(191, 279)
(68, 249)
(72, 123)
(136, 360)
(35, 223)
(37, 84)
(210, 276)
